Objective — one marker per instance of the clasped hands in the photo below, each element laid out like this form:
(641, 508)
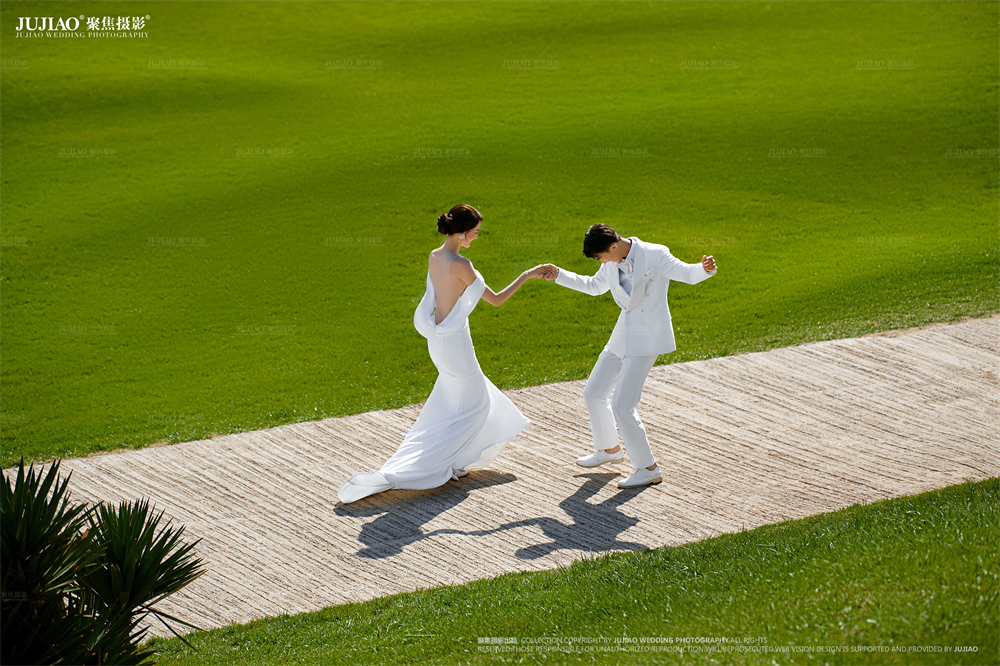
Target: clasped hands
(544, 271)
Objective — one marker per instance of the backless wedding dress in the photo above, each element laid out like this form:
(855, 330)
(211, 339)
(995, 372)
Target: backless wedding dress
(466, 421)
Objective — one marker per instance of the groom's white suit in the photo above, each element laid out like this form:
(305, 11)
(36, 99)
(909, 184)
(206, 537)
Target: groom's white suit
(644, 330)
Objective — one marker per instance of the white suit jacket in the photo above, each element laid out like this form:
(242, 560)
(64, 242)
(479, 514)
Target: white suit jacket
(644, 327)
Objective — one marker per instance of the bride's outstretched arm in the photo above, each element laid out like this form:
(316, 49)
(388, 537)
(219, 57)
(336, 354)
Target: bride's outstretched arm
(497, 298)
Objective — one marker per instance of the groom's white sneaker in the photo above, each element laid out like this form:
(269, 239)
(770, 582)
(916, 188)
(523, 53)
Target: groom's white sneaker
(600, 457)
(642, 477)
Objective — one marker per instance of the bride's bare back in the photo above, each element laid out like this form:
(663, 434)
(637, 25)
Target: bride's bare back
(445, 268)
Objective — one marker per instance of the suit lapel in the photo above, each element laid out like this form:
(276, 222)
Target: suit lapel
(638, 274)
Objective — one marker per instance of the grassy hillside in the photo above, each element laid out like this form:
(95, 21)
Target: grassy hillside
(224, 226)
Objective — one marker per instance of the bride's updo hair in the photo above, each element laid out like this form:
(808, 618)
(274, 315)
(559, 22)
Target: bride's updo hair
(459, 219)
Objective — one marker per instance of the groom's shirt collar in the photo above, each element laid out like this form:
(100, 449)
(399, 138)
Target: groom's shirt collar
(631, 252)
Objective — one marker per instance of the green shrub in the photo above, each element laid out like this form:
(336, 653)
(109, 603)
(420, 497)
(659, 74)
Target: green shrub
(78, 581)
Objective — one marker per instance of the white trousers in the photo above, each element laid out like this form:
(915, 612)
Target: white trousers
(612, 395)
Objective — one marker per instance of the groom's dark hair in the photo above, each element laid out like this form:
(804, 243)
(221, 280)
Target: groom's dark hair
(598, 239)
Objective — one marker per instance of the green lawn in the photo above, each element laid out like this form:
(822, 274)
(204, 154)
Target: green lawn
(246, 243)
(900, 575)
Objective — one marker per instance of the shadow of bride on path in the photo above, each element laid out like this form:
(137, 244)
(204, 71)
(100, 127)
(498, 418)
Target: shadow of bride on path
(594, 527)
(401, 513)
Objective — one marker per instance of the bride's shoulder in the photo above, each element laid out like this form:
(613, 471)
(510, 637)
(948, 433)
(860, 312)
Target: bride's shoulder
(439, 259)
(460, 266)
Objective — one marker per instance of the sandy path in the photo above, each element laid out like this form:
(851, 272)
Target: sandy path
(743, 441)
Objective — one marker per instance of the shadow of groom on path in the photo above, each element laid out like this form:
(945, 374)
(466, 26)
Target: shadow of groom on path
(594, 527)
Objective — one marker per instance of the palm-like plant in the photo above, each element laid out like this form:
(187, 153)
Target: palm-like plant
(142, 563)
(44, 548)
(77, 581)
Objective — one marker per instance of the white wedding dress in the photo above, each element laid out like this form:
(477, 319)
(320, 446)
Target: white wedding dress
(465, 422)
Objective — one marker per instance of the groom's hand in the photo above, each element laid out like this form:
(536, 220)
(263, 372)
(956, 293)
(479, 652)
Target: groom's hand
(708, 263)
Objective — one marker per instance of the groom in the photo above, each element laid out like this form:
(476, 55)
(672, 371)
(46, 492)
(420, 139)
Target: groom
(637, 274)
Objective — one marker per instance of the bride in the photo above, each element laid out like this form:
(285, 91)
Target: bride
(466, 421)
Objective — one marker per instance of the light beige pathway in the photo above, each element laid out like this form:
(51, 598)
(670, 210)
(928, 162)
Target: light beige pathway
(743, 441)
